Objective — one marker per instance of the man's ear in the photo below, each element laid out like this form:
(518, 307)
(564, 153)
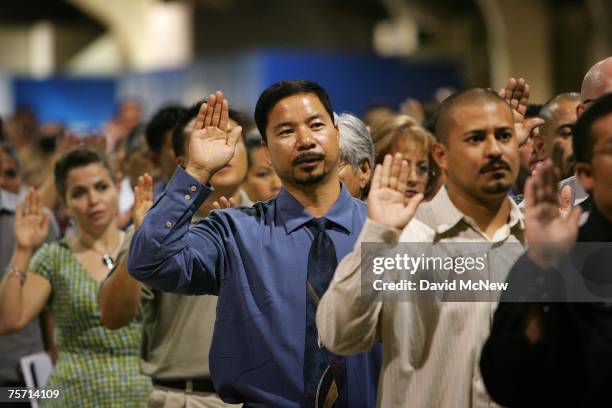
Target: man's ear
(438, 152)
(365, 173)
(181, 161)
(580, 108)
(265, 146)
(154, 157)
(584, 172)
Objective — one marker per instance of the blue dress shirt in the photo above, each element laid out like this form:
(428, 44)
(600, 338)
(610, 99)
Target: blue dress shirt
(255, 259)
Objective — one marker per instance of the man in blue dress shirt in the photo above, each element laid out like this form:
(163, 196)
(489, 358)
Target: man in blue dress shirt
(258, 259)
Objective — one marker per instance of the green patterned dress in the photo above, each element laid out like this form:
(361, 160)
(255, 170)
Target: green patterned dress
(96, 367)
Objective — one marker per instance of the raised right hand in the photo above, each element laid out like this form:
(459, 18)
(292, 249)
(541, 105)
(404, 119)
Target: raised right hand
(516, 94)
(31, 222)
(387, 202)
(212, 143)
(549, 233)
(143, 198)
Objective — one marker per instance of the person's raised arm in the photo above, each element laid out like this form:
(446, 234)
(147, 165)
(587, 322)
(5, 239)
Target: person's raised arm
(119, 294)
(348, 324)
(23, 295)
(516, 94)
(166, 253)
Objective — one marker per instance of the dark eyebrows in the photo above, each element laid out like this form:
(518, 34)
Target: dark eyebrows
(313, 117)
(308, 120)
(473, 132)
(282, 125)
(78, 187)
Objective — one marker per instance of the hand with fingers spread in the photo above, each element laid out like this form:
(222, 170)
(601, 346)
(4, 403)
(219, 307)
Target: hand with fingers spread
(211, 144)
(143, 198)
(544, 224)
(387, 201)
(223, 203)
(31, 222)
(516, 93)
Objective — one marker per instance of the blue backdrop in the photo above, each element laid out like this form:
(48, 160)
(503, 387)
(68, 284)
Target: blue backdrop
(80, 103)
(354, 80)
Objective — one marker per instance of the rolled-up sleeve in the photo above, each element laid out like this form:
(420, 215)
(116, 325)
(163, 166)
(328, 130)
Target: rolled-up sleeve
(169, 255)
(347, 324)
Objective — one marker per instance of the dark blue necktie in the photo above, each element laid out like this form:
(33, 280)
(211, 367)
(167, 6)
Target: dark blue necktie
(324, 373)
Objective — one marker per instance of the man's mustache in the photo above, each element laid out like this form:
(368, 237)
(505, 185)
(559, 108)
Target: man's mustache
(306, 157)
(495, 165)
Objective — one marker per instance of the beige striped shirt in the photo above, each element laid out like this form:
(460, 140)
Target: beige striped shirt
(431, 350)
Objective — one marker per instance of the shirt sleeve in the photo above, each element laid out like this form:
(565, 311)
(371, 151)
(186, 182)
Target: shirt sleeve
(166, 254)
(346, 324)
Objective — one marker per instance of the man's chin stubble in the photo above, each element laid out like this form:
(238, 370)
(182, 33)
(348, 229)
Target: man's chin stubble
(310, 180)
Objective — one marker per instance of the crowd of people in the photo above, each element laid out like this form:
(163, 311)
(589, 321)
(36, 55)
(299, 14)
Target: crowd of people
(204, 258)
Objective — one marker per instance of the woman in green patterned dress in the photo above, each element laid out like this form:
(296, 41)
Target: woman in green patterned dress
(96, 367)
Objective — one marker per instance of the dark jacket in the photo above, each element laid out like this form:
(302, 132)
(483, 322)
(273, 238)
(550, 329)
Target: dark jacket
(571, 365)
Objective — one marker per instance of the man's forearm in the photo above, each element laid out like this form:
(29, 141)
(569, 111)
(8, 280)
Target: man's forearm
(119, 298)
(163, 249)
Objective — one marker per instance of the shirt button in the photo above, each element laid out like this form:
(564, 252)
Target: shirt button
(168, 224)
(193, 188)
(187, 197)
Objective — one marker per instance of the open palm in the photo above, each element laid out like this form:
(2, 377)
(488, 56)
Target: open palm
(212, 143)
(544, 223)
(516, 94)
(143, 198)
(31, 223)
(387, 202)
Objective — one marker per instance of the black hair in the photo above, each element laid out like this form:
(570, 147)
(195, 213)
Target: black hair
(533, 110)
(11, 152)
(583, 141)
(252, 141)
(179, 136)
(79, 157)
(284, 89)
(163, 121)
(448, 106)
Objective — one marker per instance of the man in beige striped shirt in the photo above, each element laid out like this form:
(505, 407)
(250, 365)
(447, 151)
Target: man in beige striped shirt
(431, 349)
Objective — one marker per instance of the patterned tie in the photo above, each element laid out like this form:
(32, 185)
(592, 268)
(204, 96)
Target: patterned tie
(324, 373)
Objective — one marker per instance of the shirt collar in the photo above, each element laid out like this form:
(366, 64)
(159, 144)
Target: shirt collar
(447, 216)
(293, 215)
(597, 228)
(8, 201)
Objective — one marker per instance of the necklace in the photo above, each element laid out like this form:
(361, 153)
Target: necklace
(107, 259)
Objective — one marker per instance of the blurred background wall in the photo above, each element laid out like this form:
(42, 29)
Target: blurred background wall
(73, 60)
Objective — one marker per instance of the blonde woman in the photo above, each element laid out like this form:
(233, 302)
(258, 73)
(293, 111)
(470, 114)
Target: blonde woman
(402, 134)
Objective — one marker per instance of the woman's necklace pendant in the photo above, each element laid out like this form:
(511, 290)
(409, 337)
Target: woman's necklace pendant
(108, 261)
